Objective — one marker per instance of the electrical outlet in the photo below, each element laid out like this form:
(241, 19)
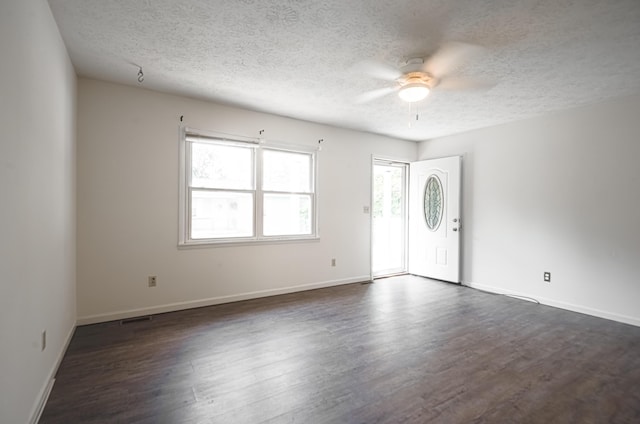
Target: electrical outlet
(43, 342)
(333, 262)
(152, 280)
(547, 277)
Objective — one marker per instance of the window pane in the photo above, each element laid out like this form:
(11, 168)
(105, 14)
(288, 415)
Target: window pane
(287, 214)
(218, 166)
(221, 214)
(286, 171)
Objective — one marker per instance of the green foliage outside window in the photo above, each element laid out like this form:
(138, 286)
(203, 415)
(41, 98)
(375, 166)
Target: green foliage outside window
(395, 176)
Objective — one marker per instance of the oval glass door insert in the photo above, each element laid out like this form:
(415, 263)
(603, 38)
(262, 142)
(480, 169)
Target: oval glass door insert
(433, 202)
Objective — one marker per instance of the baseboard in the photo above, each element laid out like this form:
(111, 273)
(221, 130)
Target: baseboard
(561, 305)
(43, 396)
(172, 307)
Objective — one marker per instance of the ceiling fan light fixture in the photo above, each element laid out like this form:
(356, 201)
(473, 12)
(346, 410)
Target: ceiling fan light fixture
(413, 92)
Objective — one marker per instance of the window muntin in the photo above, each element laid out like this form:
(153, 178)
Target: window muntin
(246, 192)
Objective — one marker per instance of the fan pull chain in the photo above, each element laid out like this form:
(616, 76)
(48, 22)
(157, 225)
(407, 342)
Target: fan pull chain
(413, 111)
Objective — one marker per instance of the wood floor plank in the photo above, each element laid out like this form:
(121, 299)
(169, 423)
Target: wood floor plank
(400, 350)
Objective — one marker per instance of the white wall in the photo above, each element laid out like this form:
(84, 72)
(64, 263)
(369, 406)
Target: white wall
(128, 206)
(37, 210)
(558, 193)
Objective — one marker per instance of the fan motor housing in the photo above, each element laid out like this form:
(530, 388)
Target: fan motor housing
(417, 77)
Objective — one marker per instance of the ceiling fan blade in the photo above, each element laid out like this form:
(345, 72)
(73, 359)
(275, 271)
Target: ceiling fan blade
(374, 94)
(449, 57)
(379, 70)
(462, 83)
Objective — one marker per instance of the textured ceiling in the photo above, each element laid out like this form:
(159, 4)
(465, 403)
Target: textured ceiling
(300, 58)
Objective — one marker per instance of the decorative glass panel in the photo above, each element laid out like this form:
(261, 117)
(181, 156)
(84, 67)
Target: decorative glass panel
(433, 202)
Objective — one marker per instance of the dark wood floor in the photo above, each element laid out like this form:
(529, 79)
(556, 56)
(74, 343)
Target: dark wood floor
(401, 350)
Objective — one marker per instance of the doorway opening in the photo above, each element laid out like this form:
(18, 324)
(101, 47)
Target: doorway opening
(389, 218)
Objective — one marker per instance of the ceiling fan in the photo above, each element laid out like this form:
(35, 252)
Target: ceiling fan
(418, 76)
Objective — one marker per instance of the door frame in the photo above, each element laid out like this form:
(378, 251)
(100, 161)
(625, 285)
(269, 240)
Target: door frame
(390, 160)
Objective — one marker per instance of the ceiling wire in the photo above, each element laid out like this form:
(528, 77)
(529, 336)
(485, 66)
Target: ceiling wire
(140, 75)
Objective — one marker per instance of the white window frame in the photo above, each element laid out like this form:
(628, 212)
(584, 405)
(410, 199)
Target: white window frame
(184, 213)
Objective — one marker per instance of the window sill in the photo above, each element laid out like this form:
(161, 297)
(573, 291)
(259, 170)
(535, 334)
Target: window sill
(229, 243)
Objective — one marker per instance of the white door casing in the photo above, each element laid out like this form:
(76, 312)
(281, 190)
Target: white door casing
(434, 218)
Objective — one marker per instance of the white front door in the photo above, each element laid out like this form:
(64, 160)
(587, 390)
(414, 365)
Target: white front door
(434, 218)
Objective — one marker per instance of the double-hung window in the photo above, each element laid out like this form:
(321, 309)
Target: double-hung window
(244, 191)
